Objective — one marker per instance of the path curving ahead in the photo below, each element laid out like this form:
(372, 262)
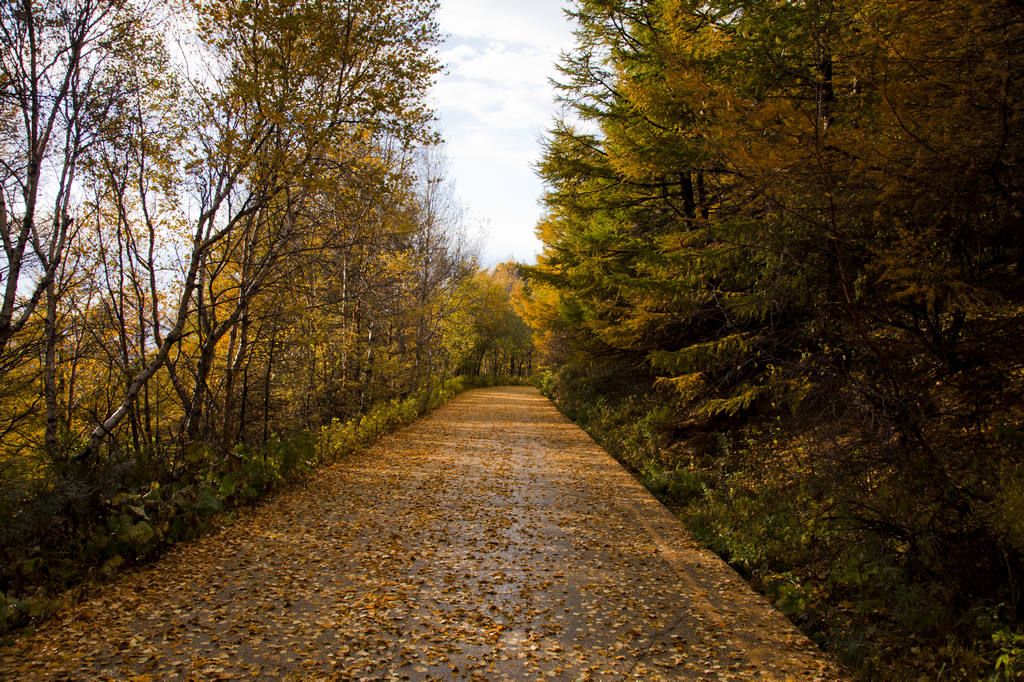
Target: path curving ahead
(490, 540)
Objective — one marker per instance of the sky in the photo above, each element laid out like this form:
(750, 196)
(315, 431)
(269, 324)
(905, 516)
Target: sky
(494, 103)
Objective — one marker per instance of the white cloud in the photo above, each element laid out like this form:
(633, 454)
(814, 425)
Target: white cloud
(494, 103)
(500, 63)
(501, 110)
(520, 22)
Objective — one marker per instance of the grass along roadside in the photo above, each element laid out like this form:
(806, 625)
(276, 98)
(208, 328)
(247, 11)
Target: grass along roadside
(757, 497)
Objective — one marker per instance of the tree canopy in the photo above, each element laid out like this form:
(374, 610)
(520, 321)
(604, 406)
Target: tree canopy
(231, 249)
(807, 213)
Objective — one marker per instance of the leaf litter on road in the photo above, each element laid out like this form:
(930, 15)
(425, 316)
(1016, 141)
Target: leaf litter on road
(490, 540)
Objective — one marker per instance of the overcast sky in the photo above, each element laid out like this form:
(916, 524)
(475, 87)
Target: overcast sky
(494, 103)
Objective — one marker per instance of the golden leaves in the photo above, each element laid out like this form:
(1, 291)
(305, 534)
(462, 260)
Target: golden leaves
(491, 540)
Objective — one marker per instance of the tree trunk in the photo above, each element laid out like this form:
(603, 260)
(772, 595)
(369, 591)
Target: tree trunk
(50, 373)
(266, 388)
(234, 366)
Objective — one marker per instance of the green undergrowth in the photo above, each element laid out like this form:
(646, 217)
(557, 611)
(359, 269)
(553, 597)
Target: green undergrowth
(81, 526)
(760, 499)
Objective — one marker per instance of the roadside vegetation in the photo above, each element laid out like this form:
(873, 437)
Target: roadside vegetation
(782, 281)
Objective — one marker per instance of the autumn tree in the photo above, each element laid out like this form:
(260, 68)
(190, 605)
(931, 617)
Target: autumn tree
(58, 83)
(232, 251)
(488, 335)
(287, 85)
(805, 212)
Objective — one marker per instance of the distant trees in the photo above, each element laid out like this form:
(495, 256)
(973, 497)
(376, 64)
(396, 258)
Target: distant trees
(811, 211)
(489, 336)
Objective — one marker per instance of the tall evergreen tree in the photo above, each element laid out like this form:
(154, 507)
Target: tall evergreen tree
(808, 212)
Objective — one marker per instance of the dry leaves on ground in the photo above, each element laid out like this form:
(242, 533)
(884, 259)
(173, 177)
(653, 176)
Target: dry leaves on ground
(491, 540)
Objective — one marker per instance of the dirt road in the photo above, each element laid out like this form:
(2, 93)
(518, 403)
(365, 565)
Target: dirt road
(490, 540)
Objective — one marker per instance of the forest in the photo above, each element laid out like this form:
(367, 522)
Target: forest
(231, 252)
(781, 280)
